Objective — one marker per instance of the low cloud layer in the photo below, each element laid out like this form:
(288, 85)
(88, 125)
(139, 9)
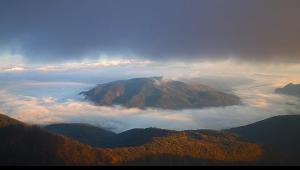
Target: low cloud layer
(259, 102)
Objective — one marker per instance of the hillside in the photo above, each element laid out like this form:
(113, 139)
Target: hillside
(279, 134)
(84, 133)
(7, 121)
(274, 141)
(185, 148)
(99, 137)
(28, 145)
(158, 93)
(290, 89)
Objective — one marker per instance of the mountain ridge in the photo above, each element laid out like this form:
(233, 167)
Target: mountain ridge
(254, 144)
(31, 145)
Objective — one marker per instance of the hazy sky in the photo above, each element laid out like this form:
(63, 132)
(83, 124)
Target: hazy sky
(67, 30)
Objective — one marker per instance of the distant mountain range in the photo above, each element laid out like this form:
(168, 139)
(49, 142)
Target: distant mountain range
(290, 89)
(268, 142)
(158, 93)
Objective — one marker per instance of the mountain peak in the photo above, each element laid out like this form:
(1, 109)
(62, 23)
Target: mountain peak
(157, 92)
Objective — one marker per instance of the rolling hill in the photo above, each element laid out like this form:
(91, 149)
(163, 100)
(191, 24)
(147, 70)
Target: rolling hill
(84, 133)
(158, 93)
(274, 141)
(99, 137)
(30, 145)
(279, 135)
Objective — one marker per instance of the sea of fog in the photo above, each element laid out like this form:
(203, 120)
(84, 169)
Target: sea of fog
(45, 98)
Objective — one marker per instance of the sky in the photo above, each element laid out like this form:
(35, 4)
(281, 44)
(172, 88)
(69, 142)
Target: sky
(51, 50)
(68, 30)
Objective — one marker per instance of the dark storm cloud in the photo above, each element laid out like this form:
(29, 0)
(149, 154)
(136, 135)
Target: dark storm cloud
(53, 30)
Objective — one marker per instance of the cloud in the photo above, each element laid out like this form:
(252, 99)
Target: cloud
(40, 97)
(10, 65)
(92, 64)
(47, 110)
(15, 69)
(11, 62)
(259, 102)
(256, 31)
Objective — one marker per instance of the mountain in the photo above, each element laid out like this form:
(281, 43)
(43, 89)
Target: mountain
(22, 144)
(278, 138)
(290, 89)
(136, 137)
(7, 121)
(190, 148)
(279, 134)
(274, 141)
(84, 133)
(99, 137)
(31, 145)
(158, 93)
